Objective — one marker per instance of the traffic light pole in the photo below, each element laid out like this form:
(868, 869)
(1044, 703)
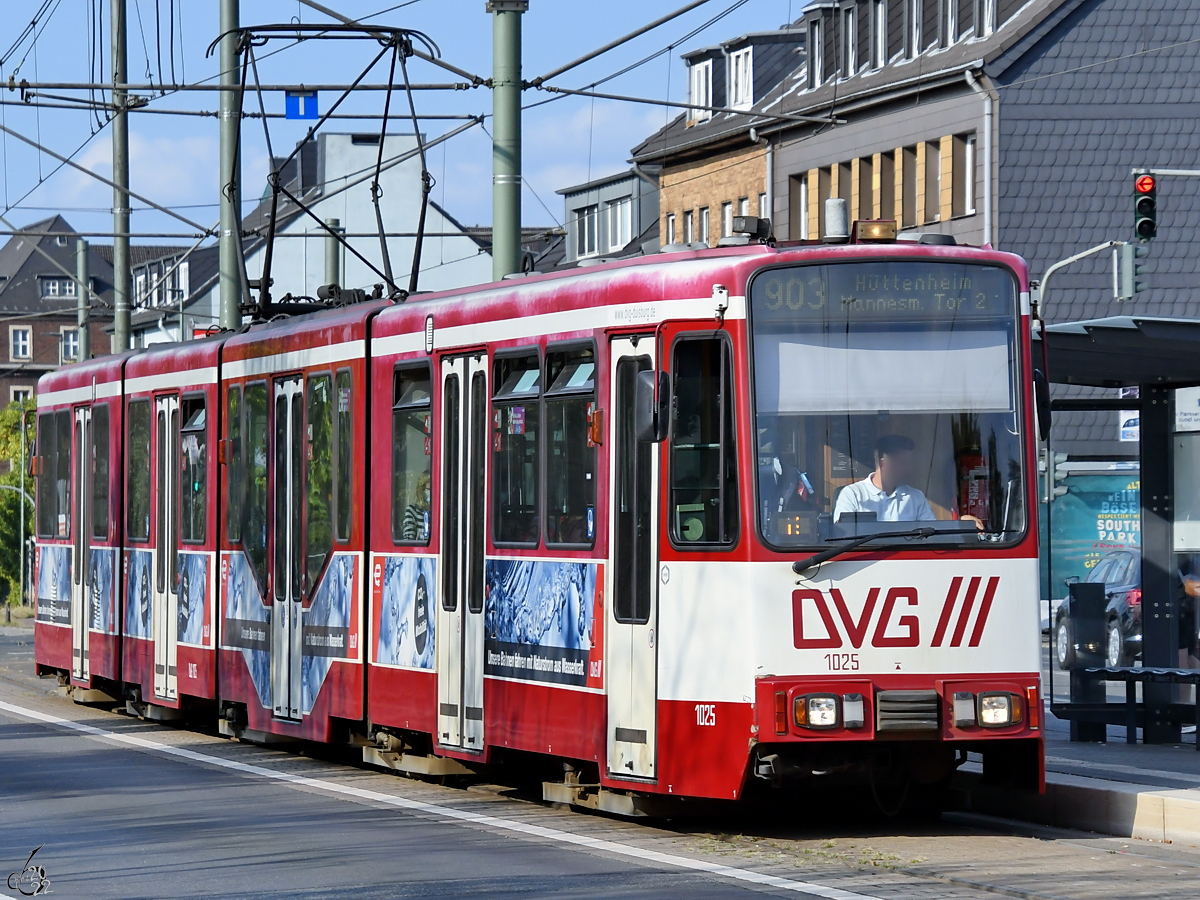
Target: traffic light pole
(1041, 290)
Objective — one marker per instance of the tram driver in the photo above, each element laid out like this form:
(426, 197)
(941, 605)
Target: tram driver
(886, 491)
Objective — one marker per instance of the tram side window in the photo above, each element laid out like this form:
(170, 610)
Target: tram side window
(193, 472)
(235, 483)
(138, 446)
(62, 474)
(703, 479)
(570, 453)
(345, 447)
(101, 473)
(254, 537)
(412, 455)
(47, 498)
(515, 449)
(319, 535)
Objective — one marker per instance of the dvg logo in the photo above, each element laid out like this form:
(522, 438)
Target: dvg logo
(896, 618)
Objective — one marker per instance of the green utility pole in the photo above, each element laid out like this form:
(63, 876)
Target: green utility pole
(84, 299)
(506, 135)
(122, 277)
(229, 261)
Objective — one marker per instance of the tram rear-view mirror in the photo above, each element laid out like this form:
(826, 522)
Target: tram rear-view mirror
(1041, 396)
(651, 407)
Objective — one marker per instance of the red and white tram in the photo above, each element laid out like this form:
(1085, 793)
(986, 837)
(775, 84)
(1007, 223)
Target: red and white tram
(681, 522)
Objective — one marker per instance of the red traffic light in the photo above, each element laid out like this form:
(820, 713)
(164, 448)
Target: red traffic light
(1144, 184)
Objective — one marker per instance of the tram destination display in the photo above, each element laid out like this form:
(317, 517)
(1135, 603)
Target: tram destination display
(892, 290)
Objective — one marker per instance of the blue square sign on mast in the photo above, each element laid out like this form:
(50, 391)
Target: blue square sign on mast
(300, 105)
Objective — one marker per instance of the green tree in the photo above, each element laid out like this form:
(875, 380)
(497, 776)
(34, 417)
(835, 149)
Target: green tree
(12, 504)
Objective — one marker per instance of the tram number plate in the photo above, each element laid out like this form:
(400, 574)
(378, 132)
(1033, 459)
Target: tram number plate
(842, 662)
(706, 714)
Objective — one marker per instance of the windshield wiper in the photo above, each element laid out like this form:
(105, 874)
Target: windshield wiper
(803, 565)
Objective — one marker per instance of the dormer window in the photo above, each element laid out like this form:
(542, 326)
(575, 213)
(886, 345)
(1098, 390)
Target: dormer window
(816, 55)
(741, 78)
(880, 19)
(700, 90)
(849, 43)
(987, 18)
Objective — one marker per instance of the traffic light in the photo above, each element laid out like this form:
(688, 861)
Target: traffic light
(1145, 207)
(1131, 270)
(1059, 474)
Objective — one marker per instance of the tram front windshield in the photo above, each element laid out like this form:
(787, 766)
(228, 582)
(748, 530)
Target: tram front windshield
(886, 400)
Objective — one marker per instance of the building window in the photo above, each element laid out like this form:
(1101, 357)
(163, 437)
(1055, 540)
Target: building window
(139, 290)
(866, 188)
(933, 181)
(700, 90)
(619, 223)
(69, 344)
(726, 219)
(60, 240)
(801, 206)
(816, 55)
(849, 44)
(20, 343)
(895, 29)
(57, 287)
(987, 18)
(705, 225)
(741, 79)
(671, 228)
(880, 24)
(914, 27)
(887, 185)
(909, 187)
(689, 227)
(585, 231)
(20, 394)
(763, 212)
(743, 206)
(964, 175)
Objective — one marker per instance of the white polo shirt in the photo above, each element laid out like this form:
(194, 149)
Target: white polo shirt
(904, 504)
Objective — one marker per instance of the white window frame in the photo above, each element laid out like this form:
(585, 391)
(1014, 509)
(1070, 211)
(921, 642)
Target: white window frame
(700, 90)
(63, 355)
(803, 211)
(705, 224)
(18, 393)
(763, 212)
(69, 288)
(51, 287)
(586, 222)
(880, 20)
(619, 215)
(689, 227)
(182, 279)
(60, 240)
(139, 289)
(816, 58)
(13, 331)
(915, 13)
(969, 175)
(741, 78)
(743, 206)
(849, 42)
(726, 218)
(987, 12)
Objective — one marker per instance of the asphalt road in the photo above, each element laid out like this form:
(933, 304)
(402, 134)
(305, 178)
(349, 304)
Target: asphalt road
(131, 809)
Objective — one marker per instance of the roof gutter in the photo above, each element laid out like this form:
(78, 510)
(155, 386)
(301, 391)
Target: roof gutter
(983, 86)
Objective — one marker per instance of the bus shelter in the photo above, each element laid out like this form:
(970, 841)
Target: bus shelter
(1154, 691)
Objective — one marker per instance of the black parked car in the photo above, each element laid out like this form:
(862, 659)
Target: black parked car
(1121, 574)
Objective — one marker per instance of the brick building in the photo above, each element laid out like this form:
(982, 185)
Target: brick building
(39, 306)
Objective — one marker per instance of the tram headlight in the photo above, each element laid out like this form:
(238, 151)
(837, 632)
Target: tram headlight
(999, 709)
(817, 711)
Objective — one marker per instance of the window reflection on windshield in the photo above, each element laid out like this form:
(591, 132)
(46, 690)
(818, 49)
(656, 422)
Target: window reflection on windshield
(885, 393)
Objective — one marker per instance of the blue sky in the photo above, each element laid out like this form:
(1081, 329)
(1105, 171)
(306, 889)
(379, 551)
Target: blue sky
(174, 157)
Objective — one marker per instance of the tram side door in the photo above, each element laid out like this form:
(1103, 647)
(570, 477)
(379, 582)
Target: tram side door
(81, 581)
(287, 615)
(631, 649)
(166, 567)
(460, 623)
